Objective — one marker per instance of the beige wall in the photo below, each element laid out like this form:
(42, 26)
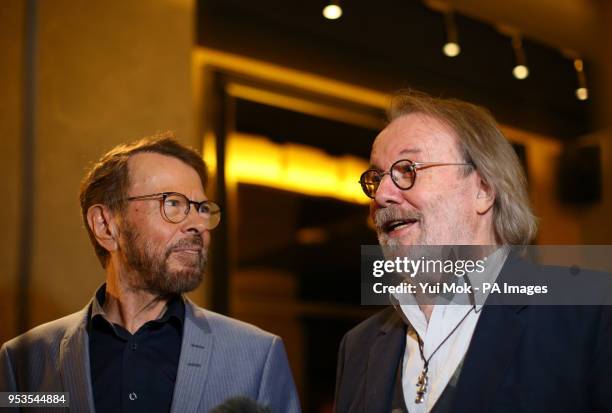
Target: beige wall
(11, 69)
(108, 71)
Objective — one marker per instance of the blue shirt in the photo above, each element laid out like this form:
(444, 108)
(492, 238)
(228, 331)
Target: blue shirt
(134, 372)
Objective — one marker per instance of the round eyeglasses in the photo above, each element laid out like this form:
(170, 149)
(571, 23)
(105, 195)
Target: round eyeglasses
(175, 208)
(403, 174)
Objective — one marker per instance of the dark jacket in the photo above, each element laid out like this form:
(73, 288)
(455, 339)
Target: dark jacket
(522, 358)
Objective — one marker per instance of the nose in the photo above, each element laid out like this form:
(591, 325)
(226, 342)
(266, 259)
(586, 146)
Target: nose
(194, 223)
(387, 193)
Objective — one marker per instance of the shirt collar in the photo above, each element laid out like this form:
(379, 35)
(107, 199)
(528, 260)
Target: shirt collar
(175, 307)
(409, 310)
(495, 262)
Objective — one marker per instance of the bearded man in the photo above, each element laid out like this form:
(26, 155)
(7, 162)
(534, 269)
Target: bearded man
(443, 174)
(140, 345)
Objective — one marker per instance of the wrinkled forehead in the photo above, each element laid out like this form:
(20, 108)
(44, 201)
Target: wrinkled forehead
(417, 137)
(153, 172)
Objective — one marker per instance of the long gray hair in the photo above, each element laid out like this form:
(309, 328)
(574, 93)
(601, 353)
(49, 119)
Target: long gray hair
(485, 146)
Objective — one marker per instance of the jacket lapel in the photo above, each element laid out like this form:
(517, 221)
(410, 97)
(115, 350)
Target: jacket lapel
(497, 334)
(384, 355)
(489, 355)
(74, 365)
(196, 350)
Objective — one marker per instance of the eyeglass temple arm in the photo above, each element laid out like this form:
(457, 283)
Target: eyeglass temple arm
(150, 196)
(428, 164)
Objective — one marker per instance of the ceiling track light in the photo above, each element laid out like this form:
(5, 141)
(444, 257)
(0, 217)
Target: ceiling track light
(520, 71)
(582, 92)
(451, 48)
(333, 10)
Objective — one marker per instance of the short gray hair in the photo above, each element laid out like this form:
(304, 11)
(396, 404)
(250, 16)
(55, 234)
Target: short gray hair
(485, 146)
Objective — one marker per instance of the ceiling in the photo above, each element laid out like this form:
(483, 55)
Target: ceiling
(392, 44)
(562, 24)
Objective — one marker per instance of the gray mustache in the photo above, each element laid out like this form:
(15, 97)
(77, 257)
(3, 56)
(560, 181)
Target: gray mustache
(393, 213)
(188, 243)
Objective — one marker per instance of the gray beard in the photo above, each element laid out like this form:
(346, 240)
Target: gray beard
(151, 267)
(392, 213)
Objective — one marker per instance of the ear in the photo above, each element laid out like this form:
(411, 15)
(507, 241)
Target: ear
(485, 197)
(104, 227)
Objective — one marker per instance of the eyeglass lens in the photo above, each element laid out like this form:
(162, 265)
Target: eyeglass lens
(402, 173)
(177, 206)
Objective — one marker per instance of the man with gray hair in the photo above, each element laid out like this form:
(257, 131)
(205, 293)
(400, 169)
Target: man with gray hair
(140, 345)
(442, 173)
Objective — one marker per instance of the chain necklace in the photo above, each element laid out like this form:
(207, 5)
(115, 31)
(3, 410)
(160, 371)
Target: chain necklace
(423, 379)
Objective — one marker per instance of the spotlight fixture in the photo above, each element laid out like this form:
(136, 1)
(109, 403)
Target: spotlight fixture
(451, 48)
(520, 71)
(333, 10)
(582, 92)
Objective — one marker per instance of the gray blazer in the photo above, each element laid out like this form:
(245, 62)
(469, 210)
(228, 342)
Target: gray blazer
(220, 358)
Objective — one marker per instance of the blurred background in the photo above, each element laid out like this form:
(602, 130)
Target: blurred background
(283, 102)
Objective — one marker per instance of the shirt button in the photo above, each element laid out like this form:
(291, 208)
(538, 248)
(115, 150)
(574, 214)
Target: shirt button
(133, 396)
(134, 346)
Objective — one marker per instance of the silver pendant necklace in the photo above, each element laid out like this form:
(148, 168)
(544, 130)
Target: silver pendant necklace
(423, 380)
